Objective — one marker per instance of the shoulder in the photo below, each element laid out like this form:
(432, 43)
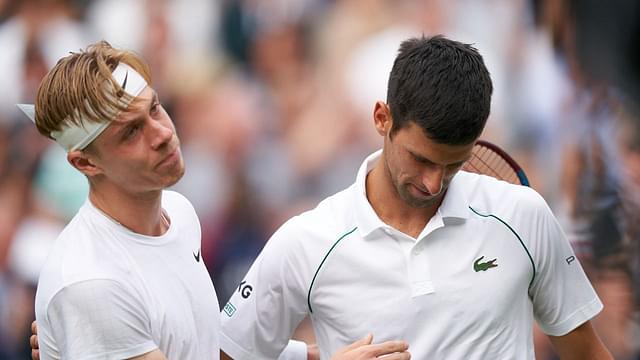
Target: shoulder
(311, 232)
(174, 201)
(522, 209)
(489, 195)
(330, 217)
(89, 293)
(182, 214)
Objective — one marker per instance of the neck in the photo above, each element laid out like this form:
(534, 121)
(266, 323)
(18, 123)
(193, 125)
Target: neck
(390, 207)
(138, 212)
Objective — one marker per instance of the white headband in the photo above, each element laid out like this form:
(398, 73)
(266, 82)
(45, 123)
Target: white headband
(72, 137)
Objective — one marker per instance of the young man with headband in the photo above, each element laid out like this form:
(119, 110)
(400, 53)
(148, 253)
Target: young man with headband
(125, 279)
(457, 264)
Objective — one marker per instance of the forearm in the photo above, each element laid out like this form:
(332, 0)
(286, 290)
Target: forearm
(153, 355)
(581, 344)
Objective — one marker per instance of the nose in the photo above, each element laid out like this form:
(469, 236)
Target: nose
(432, 179)
(161, 133)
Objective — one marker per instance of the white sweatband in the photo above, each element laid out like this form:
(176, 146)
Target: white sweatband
(73, 137)
(295, 350)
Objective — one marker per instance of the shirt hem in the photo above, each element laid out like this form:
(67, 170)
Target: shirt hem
(576, 319)
(124, 354)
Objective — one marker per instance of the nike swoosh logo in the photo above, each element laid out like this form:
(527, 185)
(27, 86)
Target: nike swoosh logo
(197, 257)
(124, 85)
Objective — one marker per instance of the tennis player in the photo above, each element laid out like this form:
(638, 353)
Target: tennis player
(459, 265)
(126, 279)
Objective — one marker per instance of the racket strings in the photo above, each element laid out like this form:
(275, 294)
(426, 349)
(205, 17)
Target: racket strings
(486, 161)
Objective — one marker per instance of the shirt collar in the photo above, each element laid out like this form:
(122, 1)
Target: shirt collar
(456, 201)
(454, 205)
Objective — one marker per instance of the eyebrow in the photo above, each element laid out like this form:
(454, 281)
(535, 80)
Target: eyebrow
(428, 161)
(128, 124)
(420, 158)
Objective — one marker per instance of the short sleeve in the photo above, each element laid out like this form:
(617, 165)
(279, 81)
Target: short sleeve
(99, 319)
(563, 298)
(267, 306)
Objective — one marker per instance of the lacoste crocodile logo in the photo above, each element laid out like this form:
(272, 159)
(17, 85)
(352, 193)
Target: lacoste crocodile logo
(484, 266)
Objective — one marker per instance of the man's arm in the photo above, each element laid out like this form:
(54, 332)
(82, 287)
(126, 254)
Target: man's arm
(582, 343)
(363, 349)
(153, 355)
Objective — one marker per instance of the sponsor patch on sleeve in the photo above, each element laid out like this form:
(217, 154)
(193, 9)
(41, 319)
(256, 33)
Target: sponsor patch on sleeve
(229, 309)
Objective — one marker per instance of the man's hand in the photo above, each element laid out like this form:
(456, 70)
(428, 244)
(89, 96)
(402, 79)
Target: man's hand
(33, 341)
(364, 350)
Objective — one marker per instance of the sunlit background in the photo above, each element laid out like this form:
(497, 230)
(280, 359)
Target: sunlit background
(273, 103)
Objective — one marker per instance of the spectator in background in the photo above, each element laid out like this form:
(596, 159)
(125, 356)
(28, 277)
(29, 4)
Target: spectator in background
(33, 34)
(593, 193)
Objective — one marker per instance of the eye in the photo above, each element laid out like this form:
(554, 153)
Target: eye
(155, 108)
(421, 160)
(131, 132)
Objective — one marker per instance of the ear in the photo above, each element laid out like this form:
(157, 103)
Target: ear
(382, 118)
(84, 163)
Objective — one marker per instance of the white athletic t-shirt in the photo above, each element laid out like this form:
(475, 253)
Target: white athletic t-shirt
(108, 293)
(490, 261)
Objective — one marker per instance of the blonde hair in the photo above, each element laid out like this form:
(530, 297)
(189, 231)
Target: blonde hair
(80, 87)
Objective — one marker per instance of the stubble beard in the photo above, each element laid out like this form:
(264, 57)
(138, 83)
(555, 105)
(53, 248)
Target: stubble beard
(405, 195)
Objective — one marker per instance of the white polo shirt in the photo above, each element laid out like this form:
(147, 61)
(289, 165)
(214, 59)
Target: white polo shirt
(491, 259)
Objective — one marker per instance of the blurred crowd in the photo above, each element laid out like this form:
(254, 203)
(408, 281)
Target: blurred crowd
(273, 103)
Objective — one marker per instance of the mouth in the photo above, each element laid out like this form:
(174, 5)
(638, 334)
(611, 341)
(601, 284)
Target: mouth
(421, 193)
(171, 159)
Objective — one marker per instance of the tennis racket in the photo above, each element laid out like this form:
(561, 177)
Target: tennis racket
(489, 159)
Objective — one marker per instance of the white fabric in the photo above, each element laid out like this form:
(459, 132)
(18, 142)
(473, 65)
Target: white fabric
(295, 350)
(108, 293)
(72, 137)
(369, 277)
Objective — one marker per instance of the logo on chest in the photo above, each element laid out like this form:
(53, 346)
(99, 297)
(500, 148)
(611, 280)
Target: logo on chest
(484, 266)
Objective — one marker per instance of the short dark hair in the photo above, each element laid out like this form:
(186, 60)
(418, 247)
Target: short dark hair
(443, 86)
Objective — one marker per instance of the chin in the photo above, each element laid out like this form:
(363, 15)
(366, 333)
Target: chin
(177, 176)
(419, 203)
(168, 179)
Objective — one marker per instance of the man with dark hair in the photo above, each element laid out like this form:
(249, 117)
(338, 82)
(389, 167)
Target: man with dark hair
(457, 264)
(449, 99)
